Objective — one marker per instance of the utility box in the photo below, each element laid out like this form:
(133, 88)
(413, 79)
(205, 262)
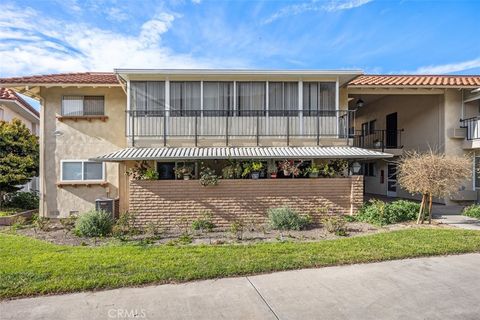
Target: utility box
(105, 204)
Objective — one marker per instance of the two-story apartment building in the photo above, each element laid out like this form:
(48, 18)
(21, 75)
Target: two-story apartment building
(95, 127)
(400, 113)
(13, 106)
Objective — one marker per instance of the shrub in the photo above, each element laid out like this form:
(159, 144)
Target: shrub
(68, 223)
(124, 225)
(381, 213)
(285, 218)
(335, 224)
(40, 223)
(94, 224)
(23, 200)
(237, 229)
(203, 224)
(472, 211)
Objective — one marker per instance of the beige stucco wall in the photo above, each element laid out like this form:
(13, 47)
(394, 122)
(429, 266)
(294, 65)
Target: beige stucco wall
(79, 140)
(428, 121)
(419, 115)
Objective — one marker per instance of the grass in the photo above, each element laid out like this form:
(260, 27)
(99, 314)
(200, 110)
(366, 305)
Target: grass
(32, 267)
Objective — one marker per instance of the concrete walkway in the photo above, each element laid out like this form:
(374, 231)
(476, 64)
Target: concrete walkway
(426, 288)
(458, 221)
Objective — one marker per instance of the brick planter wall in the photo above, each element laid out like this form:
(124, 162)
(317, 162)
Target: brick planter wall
(166, 202)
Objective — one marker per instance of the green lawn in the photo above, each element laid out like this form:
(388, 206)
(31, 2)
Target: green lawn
(29, 267)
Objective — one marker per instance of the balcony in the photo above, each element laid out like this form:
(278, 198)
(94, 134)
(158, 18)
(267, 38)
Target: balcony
(470, 131)
(237, 124)
(379, 139)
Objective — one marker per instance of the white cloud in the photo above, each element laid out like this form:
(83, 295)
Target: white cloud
(314, 5)
(116, 14)
(449, 68)
(196, 1)
(31, 44)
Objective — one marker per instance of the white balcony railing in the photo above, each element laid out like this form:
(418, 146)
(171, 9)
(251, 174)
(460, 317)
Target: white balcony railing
(253, 124)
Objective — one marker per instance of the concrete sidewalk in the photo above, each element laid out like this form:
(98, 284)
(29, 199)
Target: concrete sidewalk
(425, 288)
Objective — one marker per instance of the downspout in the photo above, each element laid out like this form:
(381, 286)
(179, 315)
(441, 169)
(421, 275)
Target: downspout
(43, 206)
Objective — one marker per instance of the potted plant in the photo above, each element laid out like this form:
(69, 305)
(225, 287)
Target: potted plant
(253, 169)
(272, 170)
(313, 170)
(232, 171)
(183, 172)
(290, 168)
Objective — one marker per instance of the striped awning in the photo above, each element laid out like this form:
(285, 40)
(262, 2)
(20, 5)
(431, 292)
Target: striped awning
(201, 153)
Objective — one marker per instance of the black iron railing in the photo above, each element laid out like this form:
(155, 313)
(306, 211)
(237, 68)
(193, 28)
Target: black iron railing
(472, 128)
(230, 124)
(379, 139)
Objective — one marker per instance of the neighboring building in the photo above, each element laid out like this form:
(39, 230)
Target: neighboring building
(12, 106)
(397, 113)
(96, 126)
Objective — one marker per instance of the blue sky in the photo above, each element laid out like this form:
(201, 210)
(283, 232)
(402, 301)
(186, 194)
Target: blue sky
(376, 36)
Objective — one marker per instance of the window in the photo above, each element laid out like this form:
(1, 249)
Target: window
(319, 96)
(369, 169)
(217, 98)
(82, 170)
(184, 98)
(283, 98)
(251, 98)
(83, 106)
(147, 96)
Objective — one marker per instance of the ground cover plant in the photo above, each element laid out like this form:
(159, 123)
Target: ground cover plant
(381, 213)
(30, 267)
(472, 211)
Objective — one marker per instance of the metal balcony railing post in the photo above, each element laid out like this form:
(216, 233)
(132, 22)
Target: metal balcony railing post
(196, 132)
(384, 133)
(318, 128)
(288, 130)
(226, 128)
(133, 129)
(258, 129)
(165, 128)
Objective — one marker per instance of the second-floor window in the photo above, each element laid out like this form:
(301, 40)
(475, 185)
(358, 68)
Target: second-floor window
(217, 98)
(147, 96)
(184, 97)
(283, 98)
(83, 106)
(251, 98)
(319, 97)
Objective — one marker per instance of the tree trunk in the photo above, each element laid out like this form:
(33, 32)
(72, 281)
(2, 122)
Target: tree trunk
(420, 213)
(430, 209)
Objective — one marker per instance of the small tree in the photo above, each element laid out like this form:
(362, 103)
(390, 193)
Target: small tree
(432, 175)
(18, 156)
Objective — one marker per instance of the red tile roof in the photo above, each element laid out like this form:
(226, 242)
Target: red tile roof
(8, 94)
(416, 81)
(72, 78)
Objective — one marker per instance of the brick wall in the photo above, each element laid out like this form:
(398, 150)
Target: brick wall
(166, 202)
